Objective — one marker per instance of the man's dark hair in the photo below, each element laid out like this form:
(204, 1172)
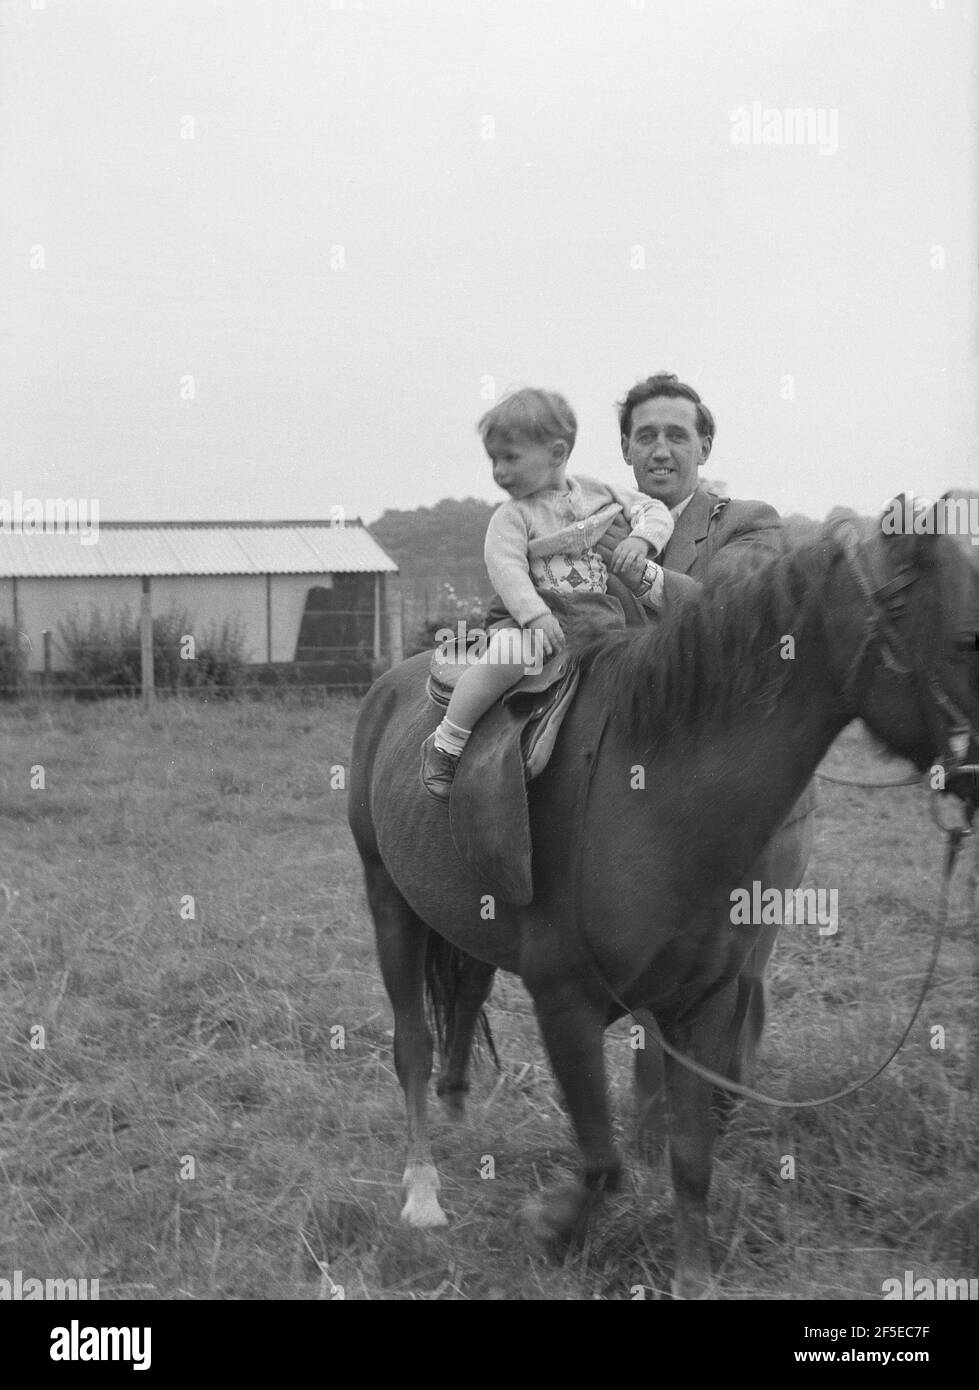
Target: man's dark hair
(664, 384)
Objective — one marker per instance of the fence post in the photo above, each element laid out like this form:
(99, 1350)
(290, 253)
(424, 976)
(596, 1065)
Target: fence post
(378, 582)
(146, 645)
(394, 612)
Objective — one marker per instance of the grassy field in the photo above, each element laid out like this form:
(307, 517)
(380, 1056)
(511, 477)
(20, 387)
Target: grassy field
(190, 1128)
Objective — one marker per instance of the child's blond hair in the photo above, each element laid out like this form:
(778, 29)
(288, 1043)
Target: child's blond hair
(532, 414)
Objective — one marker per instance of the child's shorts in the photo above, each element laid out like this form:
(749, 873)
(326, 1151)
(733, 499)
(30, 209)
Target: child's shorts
(581, 616)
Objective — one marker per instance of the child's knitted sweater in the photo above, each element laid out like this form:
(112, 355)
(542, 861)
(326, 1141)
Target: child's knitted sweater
(547, 541)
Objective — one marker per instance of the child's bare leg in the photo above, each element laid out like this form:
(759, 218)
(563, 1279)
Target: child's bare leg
(481, 685)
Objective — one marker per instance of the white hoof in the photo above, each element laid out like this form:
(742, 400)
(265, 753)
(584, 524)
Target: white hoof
(421, 1208)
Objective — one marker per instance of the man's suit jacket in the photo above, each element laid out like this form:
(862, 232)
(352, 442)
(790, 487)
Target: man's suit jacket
(719, 537)
(713, 535)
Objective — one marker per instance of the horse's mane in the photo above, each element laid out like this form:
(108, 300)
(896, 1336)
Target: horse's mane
(721, 648)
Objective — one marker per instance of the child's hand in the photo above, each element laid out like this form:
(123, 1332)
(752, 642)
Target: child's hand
(629, 558)
(551, 635)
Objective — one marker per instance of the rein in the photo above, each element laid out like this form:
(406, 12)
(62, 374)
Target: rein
(955, 741)
(954, 842)
(867, 786)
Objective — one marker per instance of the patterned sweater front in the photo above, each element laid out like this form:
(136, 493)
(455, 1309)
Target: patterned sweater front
(547, 541)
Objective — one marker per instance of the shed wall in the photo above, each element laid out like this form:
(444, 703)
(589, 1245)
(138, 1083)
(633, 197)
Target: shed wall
(214, 599)
(45, 603)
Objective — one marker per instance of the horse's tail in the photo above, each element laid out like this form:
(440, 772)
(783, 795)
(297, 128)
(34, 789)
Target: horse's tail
(444, 967)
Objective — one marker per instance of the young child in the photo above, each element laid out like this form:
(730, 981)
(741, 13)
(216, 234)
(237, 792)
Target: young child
(541, 540)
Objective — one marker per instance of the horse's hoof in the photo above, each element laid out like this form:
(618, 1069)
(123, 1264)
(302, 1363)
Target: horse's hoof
(691, 1287)
(559, 1218)
(422, 1211)
(421, 1208)
(454, 1102)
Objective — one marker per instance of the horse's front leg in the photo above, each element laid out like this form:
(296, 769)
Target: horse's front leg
(573, 1029)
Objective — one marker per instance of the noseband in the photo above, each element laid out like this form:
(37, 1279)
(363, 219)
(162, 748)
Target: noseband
(885, 600)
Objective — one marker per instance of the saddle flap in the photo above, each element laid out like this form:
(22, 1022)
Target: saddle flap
(488, 812)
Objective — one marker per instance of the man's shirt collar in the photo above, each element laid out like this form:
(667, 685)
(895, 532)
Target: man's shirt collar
(681, 507)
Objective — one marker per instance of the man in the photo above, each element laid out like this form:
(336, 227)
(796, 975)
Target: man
(667, 434)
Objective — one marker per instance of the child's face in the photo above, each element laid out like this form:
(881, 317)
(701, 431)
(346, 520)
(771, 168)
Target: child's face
(522, 467)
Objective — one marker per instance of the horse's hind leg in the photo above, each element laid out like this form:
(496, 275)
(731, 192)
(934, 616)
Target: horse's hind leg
(782, 865)
(401, 941)
(703, 1037)
(649, 1081)
(472, 991)
(746, 1024)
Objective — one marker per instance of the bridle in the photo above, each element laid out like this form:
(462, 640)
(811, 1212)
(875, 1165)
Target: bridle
(953, 731)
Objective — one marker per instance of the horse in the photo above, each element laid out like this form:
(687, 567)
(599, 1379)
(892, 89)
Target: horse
(684, 749)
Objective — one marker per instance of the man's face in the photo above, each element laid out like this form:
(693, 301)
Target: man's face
(663, 448)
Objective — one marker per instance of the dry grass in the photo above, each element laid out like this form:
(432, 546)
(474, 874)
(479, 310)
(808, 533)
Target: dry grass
(213, 1039)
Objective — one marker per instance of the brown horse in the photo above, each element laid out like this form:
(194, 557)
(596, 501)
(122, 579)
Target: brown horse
(686, 747)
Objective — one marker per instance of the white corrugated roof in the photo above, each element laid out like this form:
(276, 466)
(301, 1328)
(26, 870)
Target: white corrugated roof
(220, 547)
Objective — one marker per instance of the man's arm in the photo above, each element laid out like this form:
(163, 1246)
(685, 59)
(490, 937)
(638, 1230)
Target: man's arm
(648, 518)
(747, 535)
(742, 536)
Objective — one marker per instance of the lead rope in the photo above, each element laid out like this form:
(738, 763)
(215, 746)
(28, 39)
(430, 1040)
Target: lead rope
(955, 836)
(869, 786)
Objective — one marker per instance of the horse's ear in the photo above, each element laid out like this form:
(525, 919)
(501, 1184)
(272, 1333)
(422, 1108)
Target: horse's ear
(847, 525)
(841, 514)
(909, 524)
(960, 515)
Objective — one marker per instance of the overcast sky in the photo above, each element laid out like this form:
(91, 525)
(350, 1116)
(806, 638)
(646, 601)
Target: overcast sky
(261, 258)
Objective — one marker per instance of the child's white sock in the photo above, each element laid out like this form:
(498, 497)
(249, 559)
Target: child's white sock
(451, 739)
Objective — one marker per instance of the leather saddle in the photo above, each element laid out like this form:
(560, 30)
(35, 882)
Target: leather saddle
(535, 706)
(509, 747)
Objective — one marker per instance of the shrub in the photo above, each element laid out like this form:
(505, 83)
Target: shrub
(104, 653)
(13, 662)
(220, 664)
(451, 610)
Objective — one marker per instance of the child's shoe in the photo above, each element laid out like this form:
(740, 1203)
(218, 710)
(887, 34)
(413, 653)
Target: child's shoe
(438, 770)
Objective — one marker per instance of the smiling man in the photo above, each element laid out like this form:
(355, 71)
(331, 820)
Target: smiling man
(666, 435)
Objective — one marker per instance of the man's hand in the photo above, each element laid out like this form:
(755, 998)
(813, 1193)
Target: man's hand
(551, 634)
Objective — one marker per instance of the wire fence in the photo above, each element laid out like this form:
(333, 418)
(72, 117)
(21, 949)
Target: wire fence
(199, 664)
(310, 692)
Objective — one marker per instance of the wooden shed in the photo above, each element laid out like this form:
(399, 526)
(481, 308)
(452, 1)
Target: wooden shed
(317, 596)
